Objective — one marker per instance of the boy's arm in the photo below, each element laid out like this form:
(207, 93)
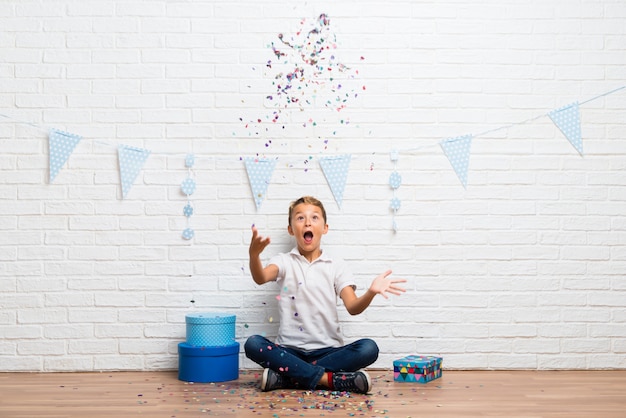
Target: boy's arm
(260, 275)
(381, 285)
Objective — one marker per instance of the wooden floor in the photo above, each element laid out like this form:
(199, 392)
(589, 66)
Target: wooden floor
(455, 394)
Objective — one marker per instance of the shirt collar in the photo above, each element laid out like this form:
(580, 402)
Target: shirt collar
(323, 256)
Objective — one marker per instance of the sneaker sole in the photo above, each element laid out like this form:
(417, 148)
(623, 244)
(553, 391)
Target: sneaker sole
(369, 381)
(266, 373)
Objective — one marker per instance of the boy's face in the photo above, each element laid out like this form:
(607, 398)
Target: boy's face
(307, 226)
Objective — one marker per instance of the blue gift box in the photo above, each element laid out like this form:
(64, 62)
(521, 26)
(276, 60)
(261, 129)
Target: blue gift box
(210, 329)
(416, 368)
(208, 364)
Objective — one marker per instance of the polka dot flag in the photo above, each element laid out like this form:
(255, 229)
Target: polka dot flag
(336, 171)
(61, 145)
(131, 161)
(458, 152)
(567, 119)
(259, 174)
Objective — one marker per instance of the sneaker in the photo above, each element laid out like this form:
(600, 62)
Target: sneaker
(359, 382)
(271, 381)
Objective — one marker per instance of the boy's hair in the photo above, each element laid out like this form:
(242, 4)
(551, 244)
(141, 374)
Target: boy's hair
(309, 200)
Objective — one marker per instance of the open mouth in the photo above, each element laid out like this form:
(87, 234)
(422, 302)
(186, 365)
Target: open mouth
(308, 237)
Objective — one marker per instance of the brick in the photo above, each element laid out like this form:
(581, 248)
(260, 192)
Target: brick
(51, 348)
(68, 363)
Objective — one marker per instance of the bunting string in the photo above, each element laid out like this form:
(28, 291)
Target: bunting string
(512, 125)
(335, 168)
(212, 158)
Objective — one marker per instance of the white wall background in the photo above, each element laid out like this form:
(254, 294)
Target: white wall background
(524, 269)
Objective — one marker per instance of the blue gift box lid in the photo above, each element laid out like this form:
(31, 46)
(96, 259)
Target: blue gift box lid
(216, 351)
(209, 318)
(420, 362)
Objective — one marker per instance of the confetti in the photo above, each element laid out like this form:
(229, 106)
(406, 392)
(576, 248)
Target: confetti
(305, 71)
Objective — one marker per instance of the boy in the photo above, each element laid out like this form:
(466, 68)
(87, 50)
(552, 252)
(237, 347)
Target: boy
(309, 350)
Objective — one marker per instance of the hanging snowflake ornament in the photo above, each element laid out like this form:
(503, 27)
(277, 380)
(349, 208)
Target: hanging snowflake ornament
(395, 204)
(190, 159)
(188, 233)
(188, 187)
(188, 210)
(395, 181)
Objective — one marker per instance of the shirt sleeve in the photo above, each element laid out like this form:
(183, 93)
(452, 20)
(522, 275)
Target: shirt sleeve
(278, 261)
(343, 277)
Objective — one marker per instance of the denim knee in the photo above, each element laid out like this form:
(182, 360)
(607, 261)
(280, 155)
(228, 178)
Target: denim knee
(369, 349)
(253, 344)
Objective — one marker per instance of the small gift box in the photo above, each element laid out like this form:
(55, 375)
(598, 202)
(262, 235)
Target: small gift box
(210, 329)
(208, 364)
(415, 368)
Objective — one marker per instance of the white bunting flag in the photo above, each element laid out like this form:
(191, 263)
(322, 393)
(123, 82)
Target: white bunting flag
(260, 172)
(458, 152)
(61, 145)
(336, 171)
(131, 162)
(567, 119)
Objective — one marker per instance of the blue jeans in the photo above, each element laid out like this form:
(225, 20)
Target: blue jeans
(305, 368)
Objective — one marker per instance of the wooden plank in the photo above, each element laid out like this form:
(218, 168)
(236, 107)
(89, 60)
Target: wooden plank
(456, 393)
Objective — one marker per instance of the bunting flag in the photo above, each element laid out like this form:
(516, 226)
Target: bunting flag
(131, 162)
(458, 152)
(260, 172)
(61, 145)
(336, 171)
(567, 119)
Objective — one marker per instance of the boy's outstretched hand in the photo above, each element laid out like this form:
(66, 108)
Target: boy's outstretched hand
(257, 243)
(382, 284)
(259, 273)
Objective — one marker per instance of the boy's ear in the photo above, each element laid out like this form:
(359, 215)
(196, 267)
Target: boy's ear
(289, 230)
(325, 228)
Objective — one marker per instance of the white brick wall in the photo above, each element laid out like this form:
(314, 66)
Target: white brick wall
(524, 269)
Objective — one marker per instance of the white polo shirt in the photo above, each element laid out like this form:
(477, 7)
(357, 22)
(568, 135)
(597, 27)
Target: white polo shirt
(308, 300)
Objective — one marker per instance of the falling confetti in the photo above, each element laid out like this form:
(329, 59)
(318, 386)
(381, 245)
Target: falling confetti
(305, 71)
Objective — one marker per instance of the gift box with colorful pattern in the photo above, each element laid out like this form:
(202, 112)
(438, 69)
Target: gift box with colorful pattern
(415, 368)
